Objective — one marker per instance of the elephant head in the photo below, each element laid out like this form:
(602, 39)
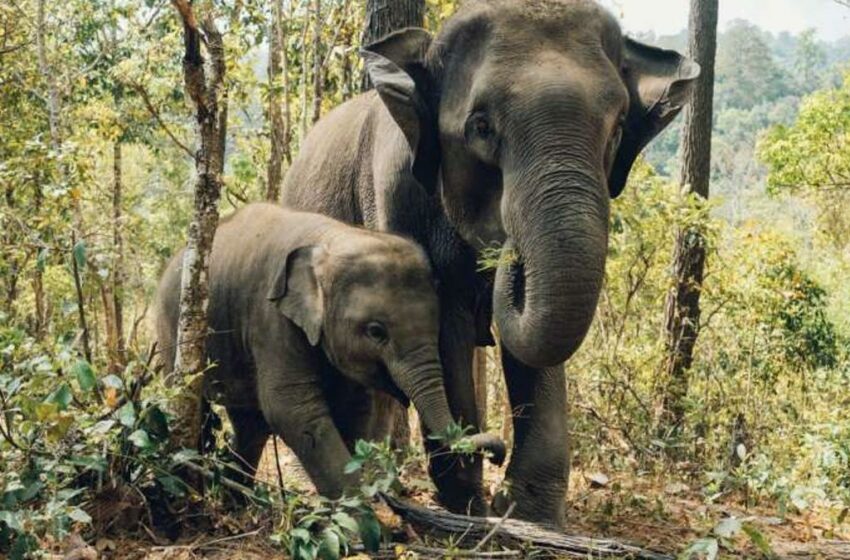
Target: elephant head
(525, 117)
(369, 301)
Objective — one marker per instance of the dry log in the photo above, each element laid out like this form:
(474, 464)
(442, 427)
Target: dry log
(512, 533)
(825, 550)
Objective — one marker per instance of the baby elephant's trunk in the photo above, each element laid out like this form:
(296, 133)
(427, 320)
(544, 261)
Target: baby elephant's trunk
(422, 381)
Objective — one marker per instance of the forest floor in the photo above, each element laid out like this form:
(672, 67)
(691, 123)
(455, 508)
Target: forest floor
(651, 512)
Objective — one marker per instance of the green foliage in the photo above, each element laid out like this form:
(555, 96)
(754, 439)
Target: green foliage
(64, 443)
(723, 536)
(767, 343)
(747, 73)
(812, 158)
(326, 529)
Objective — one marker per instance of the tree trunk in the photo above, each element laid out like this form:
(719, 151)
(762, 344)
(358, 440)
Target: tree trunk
(682, 308)
(55, 143)
(76, 266)
(304, 83)
(385, 16)
(277, 127)
(205, 86)
(53, 101)
(479, 372)
(318, 61)
(118, 361)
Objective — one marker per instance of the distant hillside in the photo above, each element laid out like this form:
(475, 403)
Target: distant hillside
(761, 78)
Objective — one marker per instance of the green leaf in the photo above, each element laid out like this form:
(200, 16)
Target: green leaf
(41, 260)
(706, 549)
(353, 466)
(93, 462)
(85, 376)
(300, 534)
(140, 439)
(362, 449)
(113, 381)
(24, 545)
(80, 254)
(61, 397)
(345, 521)
(10, 518)
(759, 539)
(329, 545)
(728, 528)
(370, 531)
(79, 516)
(185, 456)
(173, 485)
(127, 415)
(156, 422)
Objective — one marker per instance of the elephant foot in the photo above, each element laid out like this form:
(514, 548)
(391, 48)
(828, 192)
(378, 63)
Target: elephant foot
(459, 483)
(544, 506)
(464, 504)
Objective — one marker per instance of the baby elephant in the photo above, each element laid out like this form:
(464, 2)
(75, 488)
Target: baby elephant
(308, 316)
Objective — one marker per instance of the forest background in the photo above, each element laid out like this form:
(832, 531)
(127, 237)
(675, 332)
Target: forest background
(96, 178)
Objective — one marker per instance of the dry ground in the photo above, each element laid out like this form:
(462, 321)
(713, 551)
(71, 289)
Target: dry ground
(650, 511)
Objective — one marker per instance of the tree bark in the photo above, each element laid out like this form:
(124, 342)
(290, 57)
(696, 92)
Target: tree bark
(277, 127)
(55, 143)
(118, 361)
(479, 372)
(81, 307)
(205, 86)
(385, 16)
(519, 536)
(682, 308)
(318, 61)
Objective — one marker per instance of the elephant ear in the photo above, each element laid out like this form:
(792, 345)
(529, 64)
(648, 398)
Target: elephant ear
(296, 291)
(660, 84)
(396, 66)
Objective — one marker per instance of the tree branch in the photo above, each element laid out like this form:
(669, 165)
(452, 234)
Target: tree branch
(517, 533)
(158, 117)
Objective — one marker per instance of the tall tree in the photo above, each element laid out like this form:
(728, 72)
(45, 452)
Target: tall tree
(384, 17)
(205, 87)
(318, 61)
(683, 310)
(279, 111)
(119, 358)
(747, 73)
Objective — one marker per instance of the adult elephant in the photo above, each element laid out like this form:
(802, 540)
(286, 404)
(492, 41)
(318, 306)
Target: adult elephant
(513, 127)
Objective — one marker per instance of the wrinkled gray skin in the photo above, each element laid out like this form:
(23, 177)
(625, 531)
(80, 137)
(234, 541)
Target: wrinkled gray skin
(310, 316)
(514, 127)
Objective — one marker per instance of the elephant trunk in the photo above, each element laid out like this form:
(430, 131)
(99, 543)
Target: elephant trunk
(553, 263)
(421, 379)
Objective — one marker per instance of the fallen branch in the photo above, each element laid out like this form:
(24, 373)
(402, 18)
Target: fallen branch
(514, 533)
(224, 481)
(823, 550)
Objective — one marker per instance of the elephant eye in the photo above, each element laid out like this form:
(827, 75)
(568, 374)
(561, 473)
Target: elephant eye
(617, 138)
(479, 125)
(377, 332)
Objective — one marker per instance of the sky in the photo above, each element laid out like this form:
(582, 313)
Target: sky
(831, 20)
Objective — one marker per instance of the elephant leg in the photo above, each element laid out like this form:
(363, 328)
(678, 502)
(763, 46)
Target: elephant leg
(353, 411)
(390, 418)
(250, 434)
(458, 480)
(538, 474)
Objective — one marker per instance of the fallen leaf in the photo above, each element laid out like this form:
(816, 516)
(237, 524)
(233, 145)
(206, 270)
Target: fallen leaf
(598, 480)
